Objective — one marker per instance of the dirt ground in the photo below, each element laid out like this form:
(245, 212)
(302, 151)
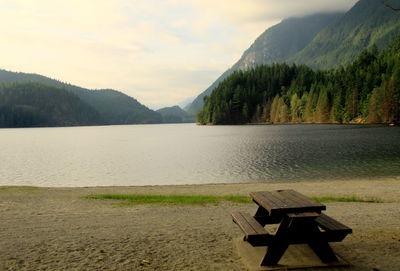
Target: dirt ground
(59, 229)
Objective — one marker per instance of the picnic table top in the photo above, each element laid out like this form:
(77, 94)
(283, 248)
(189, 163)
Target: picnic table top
(286, 201)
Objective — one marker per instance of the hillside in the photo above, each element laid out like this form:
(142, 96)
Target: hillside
(276, 44)
(38, 105)
(118, 108)
(174, 114)
(338, 40)
(113, 106)
(368, 23)
(365, 91)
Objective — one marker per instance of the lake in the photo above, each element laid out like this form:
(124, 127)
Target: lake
(190, 154)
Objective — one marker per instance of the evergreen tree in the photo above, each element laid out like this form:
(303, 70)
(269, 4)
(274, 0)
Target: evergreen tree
(368, 90)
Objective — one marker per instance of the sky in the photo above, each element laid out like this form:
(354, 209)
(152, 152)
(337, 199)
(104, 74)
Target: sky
(158, 51)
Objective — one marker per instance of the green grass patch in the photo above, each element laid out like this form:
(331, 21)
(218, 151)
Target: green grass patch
(136, 199)
(140, 199)
(347, 199)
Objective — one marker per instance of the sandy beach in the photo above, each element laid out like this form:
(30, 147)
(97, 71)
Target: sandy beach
(59, 229)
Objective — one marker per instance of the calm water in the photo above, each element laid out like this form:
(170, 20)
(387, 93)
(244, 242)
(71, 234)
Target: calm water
(190, 154)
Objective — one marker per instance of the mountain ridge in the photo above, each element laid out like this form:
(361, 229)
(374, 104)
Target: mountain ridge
(32, 104)
(282, 39)
(367, 23)
(175, 114)
(114, 107)
(364, 91)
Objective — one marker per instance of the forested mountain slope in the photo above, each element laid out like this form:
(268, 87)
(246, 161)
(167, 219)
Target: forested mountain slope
(175, 114)
(38, 105)
(368, 23)
(336, 41)
(276, 44)
(365, 91)
(113, 106)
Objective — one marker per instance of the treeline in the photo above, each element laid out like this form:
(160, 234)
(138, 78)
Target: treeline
(366, 91)
(38, 105)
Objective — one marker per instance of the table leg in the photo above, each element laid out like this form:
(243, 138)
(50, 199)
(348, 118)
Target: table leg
(316, 240)
(320, 246)
(298, 230)
(279, 244)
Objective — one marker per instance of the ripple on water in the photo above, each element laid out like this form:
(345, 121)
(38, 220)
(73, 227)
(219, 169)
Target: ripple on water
(188, 154)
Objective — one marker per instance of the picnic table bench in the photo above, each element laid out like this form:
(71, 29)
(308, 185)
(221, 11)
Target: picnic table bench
(300, 220)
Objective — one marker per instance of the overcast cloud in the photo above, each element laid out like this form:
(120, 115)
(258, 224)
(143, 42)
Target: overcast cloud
(158, 51)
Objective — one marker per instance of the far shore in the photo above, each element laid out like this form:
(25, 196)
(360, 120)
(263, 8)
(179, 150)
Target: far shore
(60, 229)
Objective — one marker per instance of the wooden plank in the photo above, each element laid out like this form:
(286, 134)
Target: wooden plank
(330, 224)
(262, 200)
(303, 215)
(280, 196)
(240, 220)
(305, 199)
(293, 196)
(301, 200)
(248, 223)
(270, 201)
(283, 201)
(255, 233)
(254, 224)
(288, 194)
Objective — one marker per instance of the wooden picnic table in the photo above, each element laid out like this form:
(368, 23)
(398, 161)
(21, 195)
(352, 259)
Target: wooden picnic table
(300, 221)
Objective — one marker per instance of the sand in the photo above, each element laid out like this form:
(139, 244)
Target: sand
(58, 229)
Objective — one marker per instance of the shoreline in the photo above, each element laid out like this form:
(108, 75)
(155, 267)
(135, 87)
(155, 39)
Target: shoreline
(59, 229)
(386, 187)
(352, 179)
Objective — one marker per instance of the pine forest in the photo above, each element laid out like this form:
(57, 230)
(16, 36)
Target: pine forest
(365, 91)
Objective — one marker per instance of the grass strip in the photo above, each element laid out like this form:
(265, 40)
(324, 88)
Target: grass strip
(139, 199)
(136, 199)
(346, 199)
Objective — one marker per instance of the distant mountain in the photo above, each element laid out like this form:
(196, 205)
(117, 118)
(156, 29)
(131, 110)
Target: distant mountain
(38, 105)
(113, 106)
(368, 23)
(118, 108)
(320, 41)
(276, 44)
(285, 39)
(186, 102)
(175, 114)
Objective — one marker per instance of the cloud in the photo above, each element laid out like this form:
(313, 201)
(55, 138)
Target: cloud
(246, 14)
(158, 51)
